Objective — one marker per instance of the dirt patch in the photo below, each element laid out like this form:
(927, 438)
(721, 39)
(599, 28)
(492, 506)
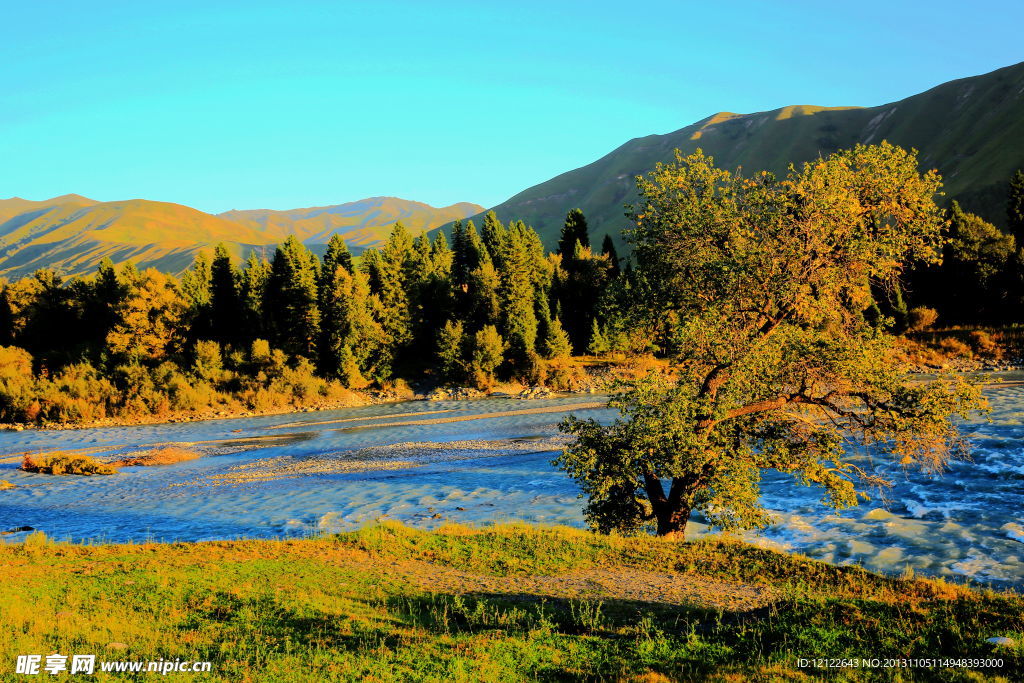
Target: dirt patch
(596, 584)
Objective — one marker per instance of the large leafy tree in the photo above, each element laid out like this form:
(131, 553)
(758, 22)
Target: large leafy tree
(776, 366)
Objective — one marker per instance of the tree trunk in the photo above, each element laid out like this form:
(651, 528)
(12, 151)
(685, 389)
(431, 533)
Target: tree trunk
(672, 522)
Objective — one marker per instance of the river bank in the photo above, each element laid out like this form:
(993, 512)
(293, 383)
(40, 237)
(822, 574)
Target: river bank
(506, 603)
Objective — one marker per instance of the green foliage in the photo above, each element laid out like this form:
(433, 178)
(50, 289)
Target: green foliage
(486, 355)
(556, 342)
(226, 308)
(290, 302)
(1015, 206)
(451, 343)
(760, 287)
(574, 232)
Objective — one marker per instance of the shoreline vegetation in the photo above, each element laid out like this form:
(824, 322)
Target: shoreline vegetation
(508, 603)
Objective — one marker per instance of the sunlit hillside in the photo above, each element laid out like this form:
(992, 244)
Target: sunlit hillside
(971, 130)
(361, 223)
(72, 233)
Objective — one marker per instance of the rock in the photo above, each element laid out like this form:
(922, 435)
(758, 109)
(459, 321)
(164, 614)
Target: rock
(436, 515)
(461, 509)
(1002, 641)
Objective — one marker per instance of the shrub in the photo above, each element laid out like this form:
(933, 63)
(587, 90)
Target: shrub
(64, 463)
(208, 363)
(954, 348)
(984, 345)
(921, 318)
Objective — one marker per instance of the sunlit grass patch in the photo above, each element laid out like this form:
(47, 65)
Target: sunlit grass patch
(166, 455)
(65, 463)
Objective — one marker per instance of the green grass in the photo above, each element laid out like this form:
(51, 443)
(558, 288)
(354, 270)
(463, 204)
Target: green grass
(360, 606)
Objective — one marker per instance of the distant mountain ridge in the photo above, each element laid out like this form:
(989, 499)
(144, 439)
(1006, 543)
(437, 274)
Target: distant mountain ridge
(73, 233)
(971, 130)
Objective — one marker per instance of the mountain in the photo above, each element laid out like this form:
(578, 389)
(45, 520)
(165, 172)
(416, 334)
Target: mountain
(971, 130)
(362, 223)
(73, 234)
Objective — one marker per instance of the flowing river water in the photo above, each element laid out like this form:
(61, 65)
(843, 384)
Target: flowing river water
(481, 461)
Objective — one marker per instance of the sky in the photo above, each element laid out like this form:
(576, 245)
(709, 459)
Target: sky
(249, 104)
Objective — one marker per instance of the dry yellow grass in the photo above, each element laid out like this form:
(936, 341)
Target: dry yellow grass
(168, 455)
(64, 463)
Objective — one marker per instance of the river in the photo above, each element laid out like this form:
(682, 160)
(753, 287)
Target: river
(964, 524)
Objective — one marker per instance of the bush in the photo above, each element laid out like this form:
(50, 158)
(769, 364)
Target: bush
(921, 318)
(64, 463)
(954, 348)
(984, 345)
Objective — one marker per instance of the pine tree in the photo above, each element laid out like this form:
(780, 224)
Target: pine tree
(290, 304)
(337, 254)
(574, 231)
(494, 236)
(484, 305)
(225, 303)
(389, 271)
(598, 342)
(487, 354)
(195, 288)
(350, 327)
(516, 293)
(252, 291)
(451, 343)
(556, 342)
(1015, 207)
(608, 249)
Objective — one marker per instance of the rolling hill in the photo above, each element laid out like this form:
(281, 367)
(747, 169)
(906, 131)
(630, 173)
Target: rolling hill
(971, 130)
(72, 233)
(362, 223)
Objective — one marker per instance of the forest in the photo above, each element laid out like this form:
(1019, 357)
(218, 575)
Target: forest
(488, 305)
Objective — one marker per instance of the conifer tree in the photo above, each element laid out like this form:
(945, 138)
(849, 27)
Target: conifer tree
(225, 303)
(556, 343)
(337, 254)
(608, 249)
(252, 291)
(451, 344)
(290, 304)
(1015, 207)
(494, 236)
(574, 231)
(516, 293)
(487, 354)
(350, 327)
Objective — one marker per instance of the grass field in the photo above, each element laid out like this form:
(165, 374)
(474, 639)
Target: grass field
(497, 604)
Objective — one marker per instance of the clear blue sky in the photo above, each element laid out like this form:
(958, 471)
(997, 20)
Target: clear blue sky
(223, 105)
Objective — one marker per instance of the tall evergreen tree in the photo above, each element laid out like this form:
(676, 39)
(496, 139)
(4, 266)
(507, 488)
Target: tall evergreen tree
(608, 249)
(290, 304)
(337, 254)
(351, 336)
(225, 303)
(516, 292)
(573, 230)
(1015, 207)
(494, 236)
(252, 291)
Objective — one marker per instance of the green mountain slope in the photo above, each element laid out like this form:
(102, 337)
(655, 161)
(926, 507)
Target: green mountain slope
(971, 130)
(73, 234)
